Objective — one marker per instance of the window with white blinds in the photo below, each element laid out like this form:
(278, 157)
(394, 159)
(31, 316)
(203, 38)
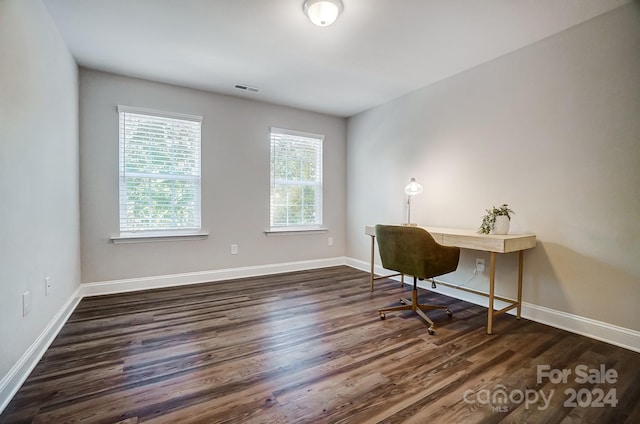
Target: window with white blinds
(159, 171)
(296, 179)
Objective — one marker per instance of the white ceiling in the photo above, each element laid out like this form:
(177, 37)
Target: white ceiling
(376, 51)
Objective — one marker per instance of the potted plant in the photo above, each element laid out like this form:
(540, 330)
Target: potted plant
(497, 220)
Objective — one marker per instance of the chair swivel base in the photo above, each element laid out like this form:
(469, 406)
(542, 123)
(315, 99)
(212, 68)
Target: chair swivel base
(418, 308)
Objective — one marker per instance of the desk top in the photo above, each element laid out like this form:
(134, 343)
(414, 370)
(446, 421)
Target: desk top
(470, 239)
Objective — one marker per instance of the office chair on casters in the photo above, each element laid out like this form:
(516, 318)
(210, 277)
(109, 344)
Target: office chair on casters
(413, 251)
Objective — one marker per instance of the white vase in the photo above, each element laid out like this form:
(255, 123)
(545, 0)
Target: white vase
(501, 225)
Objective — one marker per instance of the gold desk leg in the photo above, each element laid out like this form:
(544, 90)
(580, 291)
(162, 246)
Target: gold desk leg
(492, 280)
(520, 267)
(373, 242)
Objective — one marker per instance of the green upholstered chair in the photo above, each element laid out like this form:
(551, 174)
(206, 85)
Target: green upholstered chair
(413, 251)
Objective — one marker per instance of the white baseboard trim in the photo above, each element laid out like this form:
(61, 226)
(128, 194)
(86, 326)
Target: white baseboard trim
(173, 280)
(13, 380)
(598, 330)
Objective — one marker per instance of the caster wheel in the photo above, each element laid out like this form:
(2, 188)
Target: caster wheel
(402, 302)
(449, 313)
(382, 316)
(431, 331)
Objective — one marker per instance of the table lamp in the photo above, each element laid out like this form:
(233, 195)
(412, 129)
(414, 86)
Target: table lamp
(410, 190)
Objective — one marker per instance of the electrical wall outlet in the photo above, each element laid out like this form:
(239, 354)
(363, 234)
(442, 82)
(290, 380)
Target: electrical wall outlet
(234, 249)
(480, 264)
(330, 241)
(26, 303)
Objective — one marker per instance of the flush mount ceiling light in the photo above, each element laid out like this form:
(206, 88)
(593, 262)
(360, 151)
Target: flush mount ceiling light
(322, 12)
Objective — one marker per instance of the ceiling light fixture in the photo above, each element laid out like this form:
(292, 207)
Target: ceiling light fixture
(322, 12)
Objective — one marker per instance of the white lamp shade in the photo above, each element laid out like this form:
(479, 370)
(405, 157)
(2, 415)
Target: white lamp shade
(413, 188)
(322, 12)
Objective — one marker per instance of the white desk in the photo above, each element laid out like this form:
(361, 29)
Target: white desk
(469, 239)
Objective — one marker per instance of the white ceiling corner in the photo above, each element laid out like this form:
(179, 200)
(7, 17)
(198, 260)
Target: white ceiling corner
(376, 51)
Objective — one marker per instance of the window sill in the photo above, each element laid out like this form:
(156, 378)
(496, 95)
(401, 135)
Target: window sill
(294, 231)
(150, 238)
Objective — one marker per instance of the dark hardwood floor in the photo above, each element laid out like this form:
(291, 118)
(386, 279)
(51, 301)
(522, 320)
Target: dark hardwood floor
(309, 347)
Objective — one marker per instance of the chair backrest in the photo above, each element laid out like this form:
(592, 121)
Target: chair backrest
(413, 251)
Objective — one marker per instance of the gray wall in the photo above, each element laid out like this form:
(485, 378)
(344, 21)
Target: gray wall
(554, 131)
(39, 213)
(235, 182)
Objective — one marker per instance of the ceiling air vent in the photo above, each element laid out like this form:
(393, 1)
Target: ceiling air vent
(247, 88)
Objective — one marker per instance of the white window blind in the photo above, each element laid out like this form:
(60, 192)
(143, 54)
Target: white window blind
(159, 171)
(296, 179)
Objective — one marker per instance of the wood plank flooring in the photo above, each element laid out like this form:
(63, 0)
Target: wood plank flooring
(309, 347)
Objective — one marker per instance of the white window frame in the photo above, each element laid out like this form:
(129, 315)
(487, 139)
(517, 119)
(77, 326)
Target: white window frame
(297, 137)
(134, 233)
